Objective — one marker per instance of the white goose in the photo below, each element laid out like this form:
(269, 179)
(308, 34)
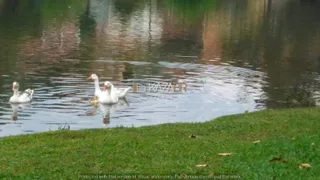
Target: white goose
(97, 90)
(20, 97)
(120, 92)
(109, 95)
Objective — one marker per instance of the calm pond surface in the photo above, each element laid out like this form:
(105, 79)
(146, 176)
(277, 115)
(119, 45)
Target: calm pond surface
(235, 56)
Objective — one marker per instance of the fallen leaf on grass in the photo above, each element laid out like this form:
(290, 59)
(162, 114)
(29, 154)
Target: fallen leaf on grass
(254, 142)
(195, 135)
(304, 165)
(192, 136)
(224, 154)
(279, 159)
(202, 165)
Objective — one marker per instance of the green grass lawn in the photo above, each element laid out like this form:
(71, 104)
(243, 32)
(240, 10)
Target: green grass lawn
(290, 135)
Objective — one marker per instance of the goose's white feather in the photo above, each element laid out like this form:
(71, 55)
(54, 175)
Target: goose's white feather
(121, 92)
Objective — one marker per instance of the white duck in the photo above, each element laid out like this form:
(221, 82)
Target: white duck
(20, 97)
(120, 92)
(108, 95)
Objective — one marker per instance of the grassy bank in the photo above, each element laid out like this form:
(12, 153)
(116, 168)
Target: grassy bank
(287, 139)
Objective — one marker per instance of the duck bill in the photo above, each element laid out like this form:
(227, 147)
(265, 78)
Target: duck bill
(105, 87)
(89, 78)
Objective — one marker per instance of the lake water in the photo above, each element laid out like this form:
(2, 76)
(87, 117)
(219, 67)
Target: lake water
(234, 56)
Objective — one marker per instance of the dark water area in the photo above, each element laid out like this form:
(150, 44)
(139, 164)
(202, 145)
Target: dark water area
(234, 56)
